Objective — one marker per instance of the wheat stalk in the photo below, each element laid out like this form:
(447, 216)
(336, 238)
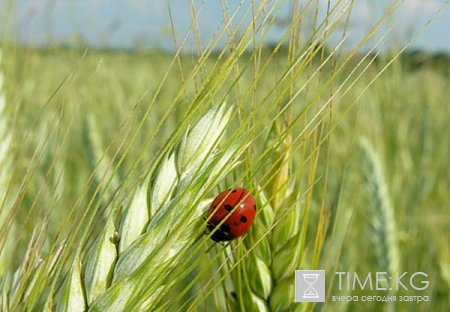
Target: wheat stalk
(6, 242)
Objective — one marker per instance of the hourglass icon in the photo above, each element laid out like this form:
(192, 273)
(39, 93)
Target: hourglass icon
(310, 286)
(310, 279)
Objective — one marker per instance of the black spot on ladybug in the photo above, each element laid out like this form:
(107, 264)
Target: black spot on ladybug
(254, 207)
(243, 219)
(233, 190)
(228, 207)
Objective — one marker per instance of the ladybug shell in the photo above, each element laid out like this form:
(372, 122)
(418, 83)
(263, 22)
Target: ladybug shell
(237, 219)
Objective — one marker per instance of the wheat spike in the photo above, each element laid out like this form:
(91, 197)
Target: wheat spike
(121, 262)
(383, 224)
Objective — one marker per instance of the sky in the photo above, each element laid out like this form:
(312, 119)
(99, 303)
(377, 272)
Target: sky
(146, 23)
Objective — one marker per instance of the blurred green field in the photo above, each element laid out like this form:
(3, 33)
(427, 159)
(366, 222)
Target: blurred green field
(54, 97)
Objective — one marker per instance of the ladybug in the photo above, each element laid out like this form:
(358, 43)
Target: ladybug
(238, 219)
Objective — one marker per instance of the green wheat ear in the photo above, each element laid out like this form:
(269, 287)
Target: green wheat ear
(161, 221)
(274, 239)
(383, 225)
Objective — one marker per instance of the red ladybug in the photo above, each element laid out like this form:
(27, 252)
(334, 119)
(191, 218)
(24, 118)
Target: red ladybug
(238, 219)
